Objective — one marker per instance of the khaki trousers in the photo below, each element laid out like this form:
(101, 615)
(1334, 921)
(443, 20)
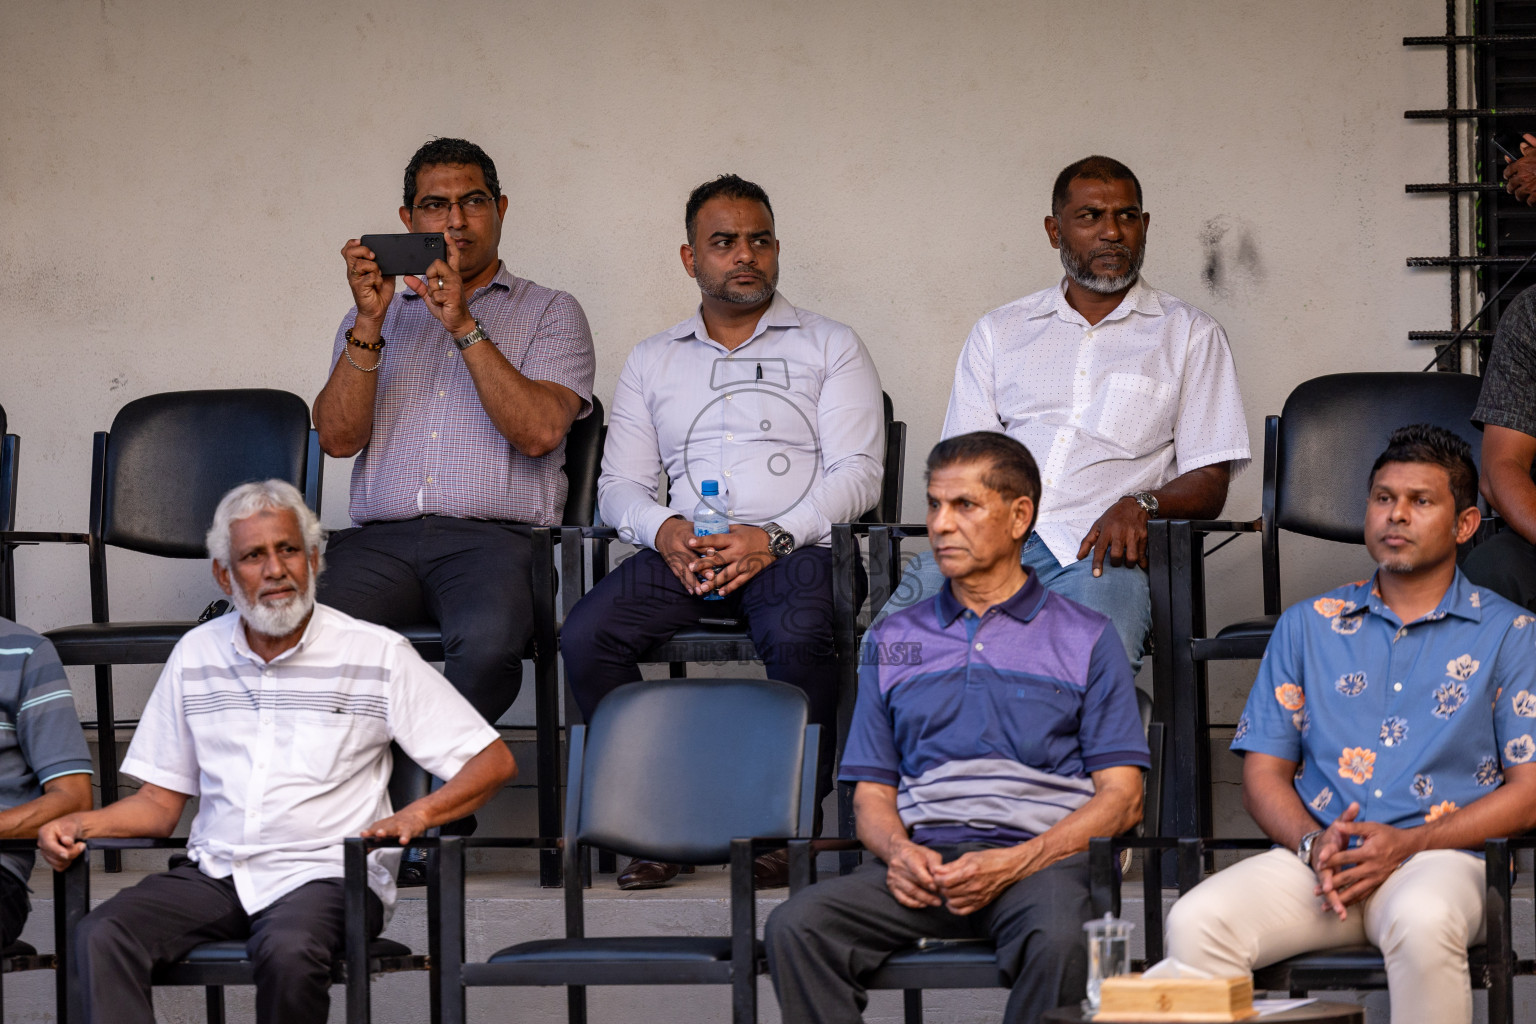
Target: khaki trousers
(1422, 918)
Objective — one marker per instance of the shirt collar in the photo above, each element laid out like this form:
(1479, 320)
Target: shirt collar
(1462, 599)
(1141, 298)
(242, 645)
(780, 313)
(1022, 605)
(504, 279)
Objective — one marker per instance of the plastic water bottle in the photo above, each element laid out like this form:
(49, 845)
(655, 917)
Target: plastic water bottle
(709, 519)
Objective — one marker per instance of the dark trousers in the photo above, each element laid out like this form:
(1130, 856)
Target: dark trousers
(1506, 564)
(292, 943)
(787, 606)
(472, 578)
(823, 940)
(15, 905)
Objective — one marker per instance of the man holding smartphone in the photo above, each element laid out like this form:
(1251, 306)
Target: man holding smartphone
(455, 393)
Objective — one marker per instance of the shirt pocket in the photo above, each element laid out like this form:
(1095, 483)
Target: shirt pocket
(326, 746)
(1135, 412)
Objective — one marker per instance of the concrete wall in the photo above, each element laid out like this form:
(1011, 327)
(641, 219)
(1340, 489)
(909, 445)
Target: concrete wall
(176, 180)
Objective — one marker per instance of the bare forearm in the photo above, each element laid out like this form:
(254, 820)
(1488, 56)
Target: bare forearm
(1199, 494)
(67, 794)
(136, 815)
(1114, 807)
(1269, 797)
(533, 415)
(479, 780)
(344, 407)
(1508, 811)
(879, 826)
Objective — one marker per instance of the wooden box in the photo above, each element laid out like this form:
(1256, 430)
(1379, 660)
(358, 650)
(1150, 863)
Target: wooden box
(1130, 997)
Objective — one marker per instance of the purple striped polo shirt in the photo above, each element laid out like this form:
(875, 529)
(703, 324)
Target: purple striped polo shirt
(434, 450)
(989, 726)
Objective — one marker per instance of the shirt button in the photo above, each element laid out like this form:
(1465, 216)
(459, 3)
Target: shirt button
(251, 815)
(1378, 792)
(429, 479)
(1385, 743)
(727, 472)
(1082, 373)
(1049, 480)
(730, 437)
(441, 394)
(266, 719)
(266, 671)
(728, 398)
(978, 647)
(434, 435)
(1076, 416)
(1397, 686)
(261, 766)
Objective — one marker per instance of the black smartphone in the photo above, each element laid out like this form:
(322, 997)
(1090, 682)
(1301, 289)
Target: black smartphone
(1512, 157)
(406, 254)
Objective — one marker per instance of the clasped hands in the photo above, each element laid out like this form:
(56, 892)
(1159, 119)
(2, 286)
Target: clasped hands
(1348, 874)
(726, 561)
(919, 877)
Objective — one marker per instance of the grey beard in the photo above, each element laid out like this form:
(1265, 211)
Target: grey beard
(1098, 283)
(1396, 568)
(275, 620)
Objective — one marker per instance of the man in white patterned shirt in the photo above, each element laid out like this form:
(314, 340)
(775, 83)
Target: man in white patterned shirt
(278, 717)
(1126, 395)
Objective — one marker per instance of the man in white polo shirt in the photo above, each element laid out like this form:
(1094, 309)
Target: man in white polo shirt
(278, 718)
(1126, 395)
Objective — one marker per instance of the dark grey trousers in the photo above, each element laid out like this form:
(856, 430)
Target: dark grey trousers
(292, 943)
(822, 941)
(473, 578)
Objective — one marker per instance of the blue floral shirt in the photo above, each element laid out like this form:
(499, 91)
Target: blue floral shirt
(1412, 721)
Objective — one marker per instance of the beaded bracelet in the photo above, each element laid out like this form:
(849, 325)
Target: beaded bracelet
(373, 347)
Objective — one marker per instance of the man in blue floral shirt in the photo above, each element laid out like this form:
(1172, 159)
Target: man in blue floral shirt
(1388, 735)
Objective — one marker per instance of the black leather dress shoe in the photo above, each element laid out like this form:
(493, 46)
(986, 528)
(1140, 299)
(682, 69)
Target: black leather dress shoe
(647, 874)
(771, 870)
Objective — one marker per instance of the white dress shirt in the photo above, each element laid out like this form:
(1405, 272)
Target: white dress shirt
(791, 423)
(1128, 404)
(287, 758)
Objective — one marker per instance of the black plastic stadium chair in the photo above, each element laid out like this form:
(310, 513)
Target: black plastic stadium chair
(1317, 457)
(156, 478)
(681, 770)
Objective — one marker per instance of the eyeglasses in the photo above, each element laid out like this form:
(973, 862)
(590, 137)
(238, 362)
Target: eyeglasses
(472, 206)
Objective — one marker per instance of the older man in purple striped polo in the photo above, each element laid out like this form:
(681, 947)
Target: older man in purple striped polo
(996, 731)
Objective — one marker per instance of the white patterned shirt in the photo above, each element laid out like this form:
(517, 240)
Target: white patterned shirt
(790, 423)
(1147, 394)
(287, 758)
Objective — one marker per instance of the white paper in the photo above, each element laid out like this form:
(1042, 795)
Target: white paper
(1171, 968)
(1270, 1006)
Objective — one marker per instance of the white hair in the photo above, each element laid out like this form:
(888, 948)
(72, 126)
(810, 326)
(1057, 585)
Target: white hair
(247, 500)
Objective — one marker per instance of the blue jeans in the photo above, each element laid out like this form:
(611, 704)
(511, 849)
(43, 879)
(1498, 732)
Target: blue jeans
(1122, 594)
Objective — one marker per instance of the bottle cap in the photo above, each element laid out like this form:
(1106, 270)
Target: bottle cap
(710, 488)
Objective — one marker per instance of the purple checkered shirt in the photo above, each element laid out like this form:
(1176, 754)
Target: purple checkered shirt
(434, 451)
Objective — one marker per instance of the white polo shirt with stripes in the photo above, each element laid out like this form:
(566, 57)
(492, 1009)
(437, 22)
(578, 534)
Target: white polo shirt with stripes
(287, 758)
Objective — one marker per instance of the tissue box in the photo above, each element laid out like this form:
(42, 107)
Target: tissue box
(1130, 997)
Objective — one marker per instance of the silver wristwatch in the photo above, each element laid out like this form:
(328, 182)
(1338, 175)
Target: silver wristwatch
(1147, 500)
(1304, 848)
(478, 334)
(780, 541)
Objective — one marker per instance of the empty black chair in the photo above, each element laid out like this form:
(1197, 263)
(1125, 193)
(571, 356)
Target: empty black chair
(215, 965)
(156, 478)
(583, 460)
(1317, 459)
(681, 770)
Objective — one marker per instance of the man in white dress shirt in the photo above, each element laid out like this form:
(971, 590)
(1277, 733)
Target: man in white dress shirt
(782, 408)
(278, 718)
(1125, 395)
